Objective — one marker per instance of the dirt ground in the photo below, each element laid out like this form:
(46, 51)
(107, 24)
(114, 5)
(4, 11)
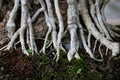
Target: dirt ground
(16, 66)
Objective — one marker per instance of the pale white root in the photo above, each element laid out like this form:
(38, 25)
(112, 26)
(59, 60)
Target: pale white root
(24, 17)
(25, 21)
(95, 45)
(61, 28)
(11, 21)
(31, 35)
(106, 51)
(94, 17)
(114, 46)
(10, 44)
(48, 33)
(28, 38)
(99, 17)
(49, 27)
(72, 27)
(88, 40)
(100, 52)
(86, 47)
(39, 10)
(92, 11)
(102, 9)
(103, 5)
(74, 43)
(52, 22)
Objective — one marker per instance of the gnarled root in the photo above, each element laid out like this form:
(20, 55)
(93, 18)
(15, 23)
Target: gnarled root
(11, 22)
(114, 46)
(26, 22)
(32, 43)
(48, 24)
(50, 21)
(61, 29)
(72, 27)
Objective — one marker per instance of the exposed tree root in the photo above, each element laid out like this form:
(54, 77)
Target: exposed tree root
(72, 27)
(25, 23)
(47, 19)
(11, 22)
(92, 17)
(61, 28)
(114, 46)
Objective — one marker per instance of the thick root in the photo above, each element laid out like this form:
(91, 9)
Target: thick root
(26, 22)
(114, 46)
(72, 27)
(61, 29)
(11, 22)
(31, 36)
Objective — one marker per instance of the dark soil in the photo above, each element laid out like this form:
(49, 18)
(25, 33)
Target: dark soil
(14, 65)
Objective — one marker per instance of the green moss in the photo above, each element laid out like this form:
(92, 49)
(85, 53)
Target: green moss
(64, 70)
(30, 51)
